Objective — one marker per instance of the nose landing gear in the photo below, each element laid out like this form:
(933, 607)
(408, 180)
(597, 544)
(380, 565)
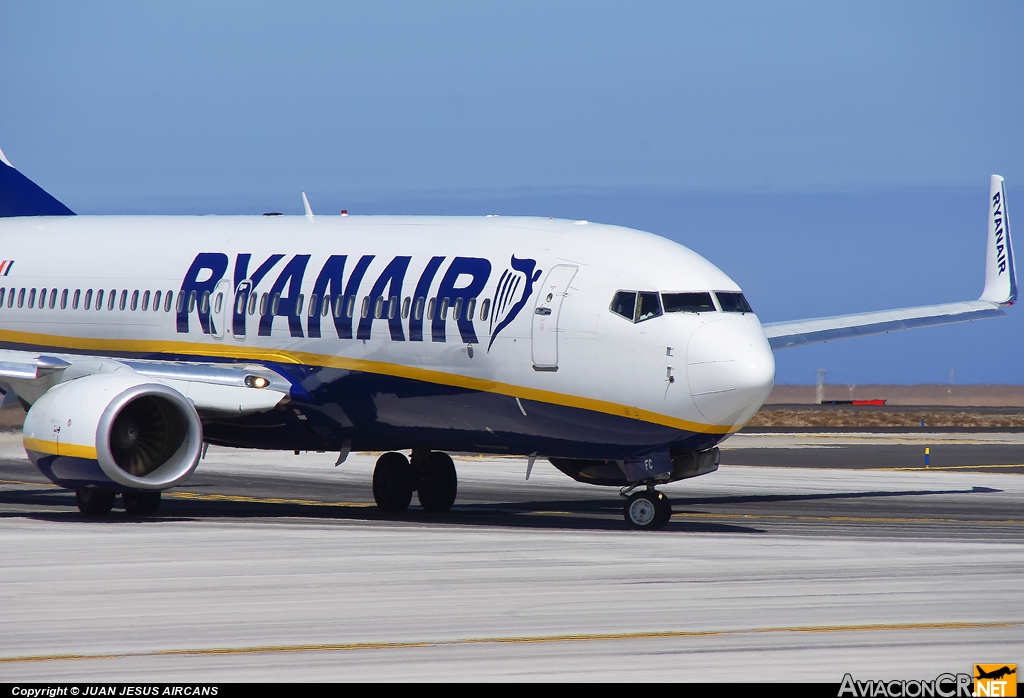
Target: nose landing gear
(647, 510)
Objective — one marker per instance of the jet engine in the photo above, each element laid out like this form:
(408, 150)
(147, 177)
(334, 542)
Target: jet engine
(114, 432)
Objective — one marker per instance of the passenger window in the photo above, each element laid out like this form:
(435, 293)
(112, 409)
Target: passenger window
(32, 298)
(484, 307)
(687, 302)
(111, 299)
(393, 307)
(325, 307)
(135, 300)
(99, 299)
(63, 299)
(124, 300)
(417, 309)
(338, 305)
(275, 304)
(3, 292)
(312, 304)
(365, 310)
(442, 310)
(254, 298)
(10, 299)
(378, 308)
(430, 308)
(145, 301)
(648, 307)
(405, 307)
(204, 303)
(53, 298)
(624, 304)
(733, 302)
(21, 298)
(168, 300)
(298, 305)
(88, 299)
(470, 308)
(457, 310)
(350, 309)
(156, 301)
(75, 298)
(218, 302)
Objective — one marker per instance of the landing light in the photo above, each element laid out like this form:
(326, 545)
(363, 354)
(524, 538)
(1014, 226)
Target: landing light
(256, 382)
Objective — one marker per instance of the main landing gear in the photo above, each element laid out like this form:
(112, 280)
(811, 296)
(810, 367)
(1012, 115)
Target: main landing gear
(647, 510)
(431, 474)
(94, 502)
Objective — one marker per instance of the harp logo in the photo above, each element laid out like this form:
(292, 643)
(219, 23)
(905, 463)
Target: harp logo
(512, 294)
(995, 680)
(5, 267)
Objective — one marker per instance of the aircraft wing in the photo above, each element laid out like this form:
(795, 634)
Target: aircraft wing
(1000, 290)
(211, 387)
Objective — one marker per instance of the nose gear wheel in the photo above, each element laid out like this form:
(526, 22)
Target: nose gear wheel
(647, 510)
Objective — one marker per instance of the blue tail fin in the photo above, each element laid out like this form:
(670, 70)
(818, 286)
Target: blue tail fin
(20, 196)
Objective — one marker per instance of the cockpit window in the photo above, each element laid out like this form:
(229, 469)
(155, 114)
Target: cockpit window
(649, 306)
(688, 302)
(624, 304)
(733, 302)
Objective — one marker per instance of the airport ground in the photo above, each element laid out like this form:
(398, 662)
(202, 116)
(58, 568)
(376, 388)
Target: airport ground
(804, 557)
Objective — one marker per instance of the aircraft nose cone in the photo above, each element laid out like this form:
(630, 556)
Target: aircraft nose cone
(730, 369)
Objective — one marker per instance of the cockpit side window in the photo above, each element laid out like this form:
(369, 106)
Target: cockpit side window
(624, 304)
(688, 302)
(733, 302)
(649, 306)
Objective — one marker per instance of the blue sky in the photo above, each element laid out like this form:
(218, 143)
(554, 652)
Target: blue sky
(831, 157)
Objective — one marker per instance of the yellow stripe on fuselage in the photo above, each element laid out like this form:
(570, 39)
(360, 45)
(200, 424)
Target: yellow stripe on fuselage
(59, 449)
(145, 346)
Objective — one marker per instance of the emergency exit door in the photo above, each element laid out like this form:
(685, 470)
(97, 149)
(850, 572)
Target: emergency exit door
(546, 313)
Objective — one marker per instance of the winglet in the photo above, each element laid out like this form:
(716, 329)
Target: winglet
(305, 204)
(20, 196)
(1000, 275)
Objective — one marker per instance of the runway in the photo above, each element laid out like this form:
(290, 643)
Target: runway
(270, 566)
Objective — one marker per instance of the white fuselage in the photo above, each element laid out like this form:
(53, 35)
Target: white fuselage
(541, 335)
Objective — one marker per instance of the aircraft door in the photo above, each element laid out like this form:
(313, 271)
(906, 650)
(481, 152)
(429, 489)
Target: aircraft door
(238, 311)
(546, 312)
(220, 307)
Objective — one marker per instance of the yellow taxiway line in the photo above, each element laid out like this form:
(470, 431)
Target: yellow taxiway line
(528, 639)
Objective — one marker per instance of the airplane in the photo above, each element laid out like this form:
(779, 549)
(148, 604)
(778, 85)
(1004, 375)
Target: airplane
(996, 674)
(621, 357)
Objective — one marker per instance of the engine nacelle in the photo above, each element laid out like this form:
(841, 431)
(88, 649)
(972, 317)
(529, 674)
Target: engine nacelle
(114, 432)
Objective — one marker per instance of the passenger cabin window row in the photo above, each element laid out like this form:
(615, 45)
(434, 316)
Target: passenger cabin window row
(637, 306)
(63, 298)
(379, 307)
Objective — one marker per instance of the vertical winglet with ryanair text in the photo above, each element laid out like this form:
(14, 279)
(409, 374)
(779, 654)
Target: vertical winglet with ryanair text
(1000, 276)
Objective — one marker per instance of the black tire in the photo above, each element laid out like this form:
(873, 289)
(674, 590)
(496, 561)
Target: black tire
(392, 482)
(664, 510)
(647, 510)
(93, 502)
(140, 503)
(439, 483)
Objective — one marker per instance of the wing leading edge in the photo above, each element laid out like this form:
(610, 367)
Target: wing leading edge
(1000, 290)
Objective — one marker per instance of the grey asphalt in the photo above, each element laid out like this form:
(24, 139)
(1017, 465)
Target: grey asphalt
(273, 566)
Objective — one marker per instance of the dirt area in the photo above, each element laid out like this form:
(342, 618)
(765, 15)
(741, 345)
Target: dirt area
(913, 395)
(816, 416)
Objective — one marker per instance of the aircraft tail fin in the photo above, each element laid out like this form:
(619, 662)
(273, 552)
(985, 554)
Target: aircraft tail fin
(20, 196)
(1000, 275)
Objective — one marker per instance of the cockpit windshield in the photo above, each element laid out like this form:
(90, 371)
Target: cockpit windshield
(688, 302)
(637, 306)
(733, 302)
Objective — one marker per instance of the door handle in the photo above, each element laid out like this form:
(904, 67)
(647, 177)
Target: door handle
(543, 311)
